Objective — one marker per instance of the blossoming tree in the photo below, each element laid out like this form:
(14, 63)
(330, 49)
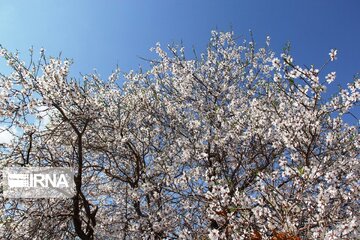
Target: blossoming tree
(238, 143)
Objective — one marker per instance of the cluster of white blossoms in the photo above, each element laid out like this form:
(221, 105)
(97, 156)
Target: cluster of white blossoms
(330, 77)
(238, 143)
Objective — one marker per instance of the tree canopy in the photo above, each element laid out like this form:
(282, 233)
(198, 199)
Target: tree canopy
(235, 143)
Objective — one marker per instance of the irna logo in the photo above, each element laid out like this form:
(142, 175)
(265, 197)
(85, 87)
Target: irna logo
(38, 182)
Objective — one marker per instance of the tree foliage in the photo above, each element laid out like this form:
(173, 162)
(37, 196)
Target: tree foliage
(238, 143)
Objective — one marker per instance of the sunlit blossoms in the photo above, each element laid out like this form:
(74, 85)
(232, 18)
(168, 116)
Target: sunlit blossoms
(237, 143)
(332, 54)
(330, 77)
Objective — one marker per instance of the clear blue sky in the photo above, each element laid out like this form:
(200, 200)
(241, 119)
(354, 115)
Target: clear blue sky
(101, 34)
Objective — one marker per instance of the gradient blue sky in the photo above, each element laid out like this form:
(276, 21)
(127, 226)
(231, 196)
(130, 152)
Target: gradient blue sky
(103, 34)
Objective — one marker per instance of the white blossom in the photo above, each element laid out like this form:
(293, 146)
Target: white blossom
(332, 54)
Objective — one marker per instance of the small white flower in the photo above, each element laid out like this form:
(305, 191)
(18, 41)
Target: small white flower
(2, 52)
(268, 40)
(277, 78)
(276, 63)
(214, 234)
(287, 58)
(333, 53)
(330, 77)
